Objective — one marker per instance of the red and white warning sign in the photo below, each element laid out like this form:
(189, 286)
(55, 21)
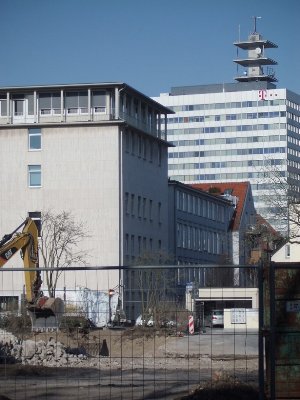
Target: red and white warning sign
(191, 325)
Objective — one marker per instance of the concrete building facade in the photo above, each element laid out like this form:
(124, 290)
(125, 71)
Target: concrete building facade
(96, 150)
(199, 225)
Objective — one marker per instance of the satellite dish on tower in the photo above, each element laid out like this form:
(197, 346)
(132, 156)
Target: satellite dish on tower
(258, 51)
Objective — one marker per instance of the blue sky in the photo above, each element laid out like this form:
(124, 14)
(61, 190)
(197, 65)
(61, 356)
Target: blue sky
(151, 45)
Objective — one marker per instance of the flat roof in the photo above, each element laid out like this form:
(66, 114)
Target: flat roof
(221, 88)
(99, 85)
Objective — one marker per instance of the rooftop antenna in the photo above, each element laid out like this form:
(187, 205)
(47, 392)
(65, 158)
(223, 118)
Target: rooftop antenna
(255, 18)
(237, 50)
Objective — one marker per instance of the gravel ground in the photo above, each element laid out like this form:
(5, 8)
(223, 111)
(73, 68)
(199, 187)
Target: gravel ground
(138, 364)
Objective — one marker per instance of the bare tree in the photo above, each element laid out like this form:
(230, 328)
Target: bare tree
(283, 198)
(156, 286)
(58, 245)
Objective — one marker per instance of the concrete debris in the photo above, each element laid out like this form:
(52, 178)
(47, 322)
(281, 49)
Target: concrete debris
(49, 354)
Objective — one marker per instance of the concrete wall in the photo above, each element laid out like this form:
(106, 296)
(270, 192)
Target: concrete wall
(145, 178)
(80, 173)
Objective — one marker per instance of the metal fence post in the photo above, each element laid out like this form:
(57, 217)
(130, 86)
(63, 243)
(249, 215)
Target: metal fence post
(261, 363)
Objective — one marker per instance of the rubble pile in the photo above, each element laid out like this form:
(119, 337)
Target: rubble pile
(50, 353)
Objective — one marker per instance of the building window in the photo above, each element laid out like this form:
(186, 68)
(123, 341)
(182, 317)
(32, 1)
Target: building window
(144, 207)
(159, 212)
(139, 146)
(132, 245)
(49, 103)
(150, 210)
(34, 176)
(132, 205)
(34, 139)
(127, 203)
(3, 106)
(132, 143)
(288, 251)
(99, 102)
(76, 102)
(139, 207)
(126, 244)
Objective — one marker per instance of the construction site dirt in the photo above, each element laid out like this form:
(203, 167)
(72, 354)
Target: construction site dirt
(135, 363)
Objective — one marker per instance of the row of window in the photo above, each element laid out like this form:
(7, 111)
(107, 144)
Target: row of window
(225, 176)
(267, 186)
(295, 176)
(291, 104)
(143, 147)
(294, 164)
(228, 105)
(194, 238)
(137, 245)
(200, 207)
(131, 107)
(293, 128)
(72, 110)
(141, 207)
(293, 152)
(74, 102)
(230, 164)
(294, 117)
(229, 152)
(293, 140)
(229, 128)
(230, 140)
(226, 117)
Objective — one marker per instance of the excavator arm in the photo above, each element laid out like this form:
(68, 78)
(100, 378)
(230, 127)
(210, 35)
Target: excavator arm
(27, 243)
(45, 313)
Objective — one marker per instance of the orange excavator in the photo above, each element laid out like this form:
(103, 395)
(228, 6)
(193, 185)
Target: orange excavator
(45, 313)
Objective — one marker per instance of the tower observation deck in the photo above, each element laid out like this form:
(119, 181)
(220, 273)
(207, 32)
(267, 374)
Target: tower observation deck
(256, 58)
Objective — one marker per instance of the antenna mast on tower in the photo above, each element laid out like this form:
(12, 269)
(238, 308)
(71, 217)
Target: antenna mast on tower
(256, 59)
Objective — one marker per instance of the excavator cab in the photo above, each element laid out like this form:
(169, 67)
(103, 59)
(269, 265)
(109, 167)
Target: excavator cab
(45, 313)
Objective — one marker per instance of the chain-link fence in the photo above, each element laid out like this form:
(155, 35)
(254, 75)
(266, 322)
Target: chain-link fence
(160, 333)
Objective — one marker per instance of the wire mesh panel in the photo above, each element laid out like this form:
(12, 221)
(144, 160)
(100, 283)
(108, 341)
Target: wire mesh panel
(161, 333)
(282, 327)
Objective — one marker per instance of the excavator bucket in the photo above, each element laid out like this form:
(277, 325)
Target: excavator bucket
(46, 317)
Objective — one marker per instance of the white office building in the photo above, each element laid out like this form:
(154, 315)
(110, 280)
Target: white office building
(242, 131)
(96, 150)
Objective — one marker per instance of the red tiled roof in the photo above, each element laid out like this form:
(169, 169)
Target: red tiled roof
(239, 189)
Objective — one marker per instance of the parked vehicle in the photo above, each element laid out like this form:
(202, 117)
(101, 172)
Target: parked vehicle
(217, 318)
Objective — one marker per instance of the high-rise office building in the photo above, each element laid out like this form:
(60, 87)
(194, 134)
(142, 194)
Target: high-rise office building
(242, 131)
